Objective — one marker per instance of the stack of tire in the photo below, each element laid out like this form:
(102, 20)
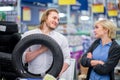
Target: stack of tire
(12, 48)
(9, 37)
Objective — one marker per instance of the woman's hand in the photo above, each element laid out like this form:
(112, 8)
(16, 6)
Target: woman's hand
(96, 62)
(101, 62)
(89, 55)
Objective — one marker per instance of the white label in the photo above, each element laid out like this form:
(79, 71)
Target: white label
(2, 28)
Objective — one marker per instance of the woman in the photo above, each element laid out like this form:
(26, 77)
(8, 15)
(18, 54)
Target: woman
(104, 53)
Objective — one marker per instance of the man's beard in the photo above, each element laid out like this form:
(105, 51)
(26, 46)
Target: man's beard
(50, 27)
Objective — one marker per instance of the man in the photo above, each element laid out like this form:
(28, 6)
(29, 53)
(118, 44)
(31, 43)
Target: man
(37, 55)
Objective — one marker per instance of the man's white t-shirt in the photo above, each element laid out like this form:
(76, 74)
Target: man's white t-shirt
(43, 62)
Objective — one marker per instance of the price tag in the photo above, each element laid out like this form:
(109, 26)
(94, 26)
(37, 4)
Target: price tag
(2, 28)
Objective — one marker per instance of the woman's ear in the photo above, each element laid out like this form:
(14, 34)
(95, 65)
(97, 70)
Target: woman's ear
(106, 30)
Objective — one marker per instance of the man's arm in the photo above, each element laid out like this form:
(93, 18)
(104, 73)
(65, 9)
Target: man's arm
(64, 68)
(32, 55)
(66, 54)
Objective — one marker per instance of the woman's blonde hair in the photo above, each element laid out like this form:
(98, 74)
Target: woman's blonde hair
(45, 16)
(107, 24)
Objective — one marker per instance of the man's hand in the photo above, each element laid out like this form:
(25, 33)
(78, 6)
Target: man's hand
(43, 49)
(32, 55)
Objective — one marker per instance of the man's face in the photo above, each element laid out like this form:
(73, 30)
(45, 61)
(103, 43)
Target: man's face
(52, 20)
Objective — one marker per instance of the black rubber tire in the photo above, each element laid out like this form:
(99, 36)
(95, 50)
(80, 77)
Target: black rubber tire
(4, 42)
(15, 38)
(4, 39)
(5, 56)
(37, 39)
(8, 42)
(6, 68)
(11, 27)
(6, 62)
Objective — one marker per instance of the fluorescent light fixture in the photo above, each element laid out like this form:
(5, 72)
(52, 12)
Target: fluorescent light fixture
(84, 17)
(62, 14)
(111, 20)
(100, 18)
(6, 8)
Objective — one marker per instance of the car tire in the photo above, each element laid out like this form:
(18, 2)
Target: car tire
(11, 27)
(30, 40)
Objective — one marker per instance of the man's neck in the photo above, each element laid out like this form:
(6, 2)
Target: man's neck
(45, 30)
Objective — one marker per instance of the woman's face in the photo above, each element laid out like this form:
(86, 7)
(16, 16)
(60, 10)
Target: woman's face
(99, 31)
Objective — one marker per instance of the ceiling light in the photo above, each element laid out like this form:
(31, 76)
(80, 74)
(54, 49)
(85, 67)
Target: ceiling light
(101, 18)
(62, 14)
(84, 17)
(6, 8)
